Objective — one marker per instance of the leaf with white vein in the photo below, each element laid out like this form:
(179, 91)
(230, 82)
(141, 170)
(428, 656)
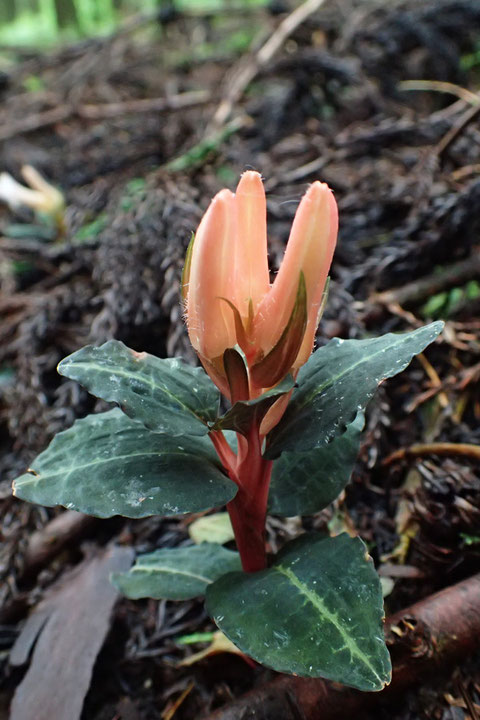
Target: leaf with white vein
(166, 395)
(107, 464)
(177, 573)
(316, 612)
(337, 382)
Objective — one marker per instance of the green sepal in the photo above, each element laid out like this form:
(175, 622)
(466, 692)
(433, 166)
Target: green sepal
(107, 465)
(316, 612)
(240, 333)
(237, 375)
(166, 395)
(186, 269)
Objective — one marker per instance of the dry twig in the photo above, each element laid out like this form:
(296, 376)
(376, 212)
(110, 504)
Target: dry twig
(41, 120)
(247, 69)
(423, 288)
(436, 448)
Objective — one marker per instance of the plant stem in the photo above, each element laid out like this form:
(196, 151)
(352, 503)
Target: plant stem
(248, 509)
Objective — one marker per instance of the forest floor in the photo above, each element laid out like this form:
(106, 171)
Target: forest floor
(140, 130)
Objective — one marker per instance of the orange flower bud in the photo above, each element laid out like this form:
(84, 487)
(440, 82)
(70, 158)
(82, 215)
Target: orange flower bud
(229, 299)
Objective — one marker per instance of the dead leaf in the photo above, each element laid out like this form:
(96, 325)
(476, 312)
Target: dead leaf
(71, 624)
(407, 527)
(219, 644)
(215, 528)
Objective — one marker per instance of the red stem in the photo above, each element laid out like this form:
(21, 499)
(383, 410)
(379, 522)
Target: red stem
(248, 510)
(224, 451)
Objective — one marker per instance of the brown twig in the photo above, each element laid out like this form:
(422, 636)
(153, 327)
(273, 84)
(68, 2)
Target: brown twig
(426, 638)
(443, 87)
(37, 121)
(469, 116)
(247, 69)
(418, 290)
(174, 102)
(41, 120)
(436, 448)
(434, 379)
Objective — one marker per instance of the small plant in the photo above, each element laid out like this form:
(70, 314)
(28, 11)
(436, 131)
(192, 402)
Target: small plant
(286, 444)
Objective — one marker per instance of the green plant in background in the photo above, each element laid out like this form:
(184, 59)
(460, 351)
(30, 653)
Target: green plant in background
(445, 304)
(286, 444)
(47, 22)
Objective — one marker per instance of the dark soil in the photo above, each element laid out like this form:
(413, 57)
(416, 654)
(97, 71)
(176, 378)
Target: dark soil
(328, 106)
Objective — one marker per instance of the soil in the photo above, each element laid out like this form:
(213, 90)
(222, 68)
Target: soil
(404, 165)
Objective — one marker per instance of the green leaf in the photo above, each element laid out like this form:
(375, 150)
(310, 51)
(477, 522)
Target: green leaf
(305, 483)
(107, 464)
(166, 395)
(241, 416)
(317, 612)
(337, 382)
(176, 573)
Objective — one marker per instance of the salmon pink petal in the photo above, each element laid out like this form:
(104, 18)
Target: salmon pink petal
(251, 259)
(309, 250)
(210, 320)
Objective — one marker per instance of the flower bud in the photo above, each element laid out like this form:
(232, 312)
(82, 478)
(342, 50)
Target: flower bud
(229, 300)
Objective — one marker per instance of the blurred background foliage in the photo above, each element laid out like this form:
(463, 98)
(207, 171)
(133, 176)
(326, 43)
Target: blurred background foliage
(45, 23)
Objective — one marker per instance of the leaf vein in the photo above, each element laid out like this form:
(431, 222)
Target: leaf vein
(145, 380)
(331, 380)
(172, 571)
(331, 617)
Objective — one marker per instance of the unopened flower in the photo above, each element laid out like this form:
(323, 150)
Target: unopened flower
(229, 299)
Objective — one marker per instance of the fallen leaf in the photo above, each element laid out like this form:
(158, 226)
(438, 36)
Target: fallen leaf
(71, 623)
(212, 528)
(219, 644)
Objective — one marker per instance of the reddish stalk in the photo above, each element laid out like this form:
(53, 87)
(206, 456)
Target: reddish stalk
(224, 451)
(248, 510)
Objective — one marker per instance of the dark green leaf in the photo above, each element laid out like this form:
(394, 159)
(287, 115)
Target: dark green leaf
(317, 612)
(241, 416)
(337, 382)
(177, 573)
(107, 464)
(166, 395)
(304, 483)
